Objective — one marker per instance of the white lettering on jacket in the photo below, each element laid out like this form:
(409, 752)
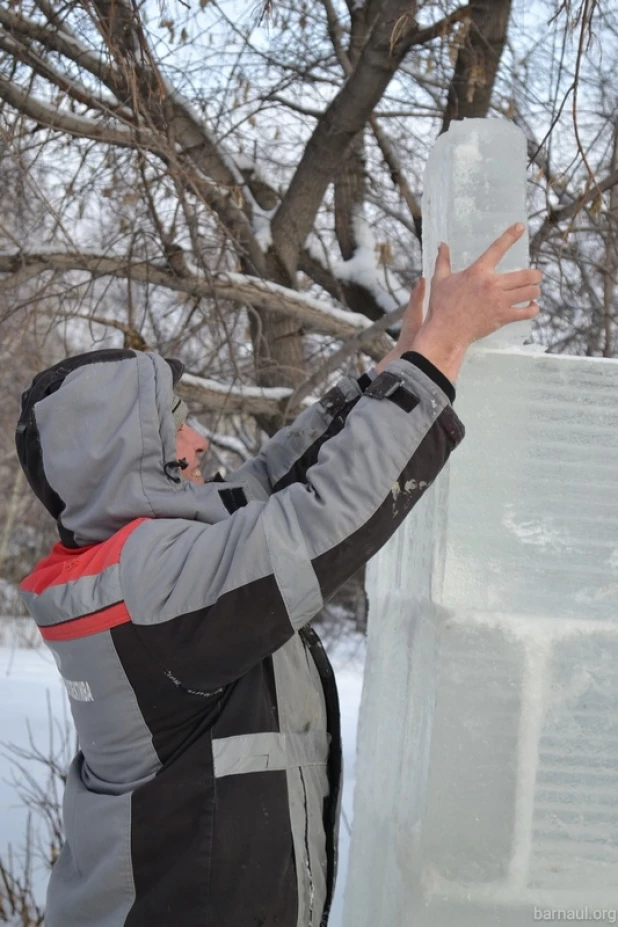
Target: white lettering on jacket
(80, 691)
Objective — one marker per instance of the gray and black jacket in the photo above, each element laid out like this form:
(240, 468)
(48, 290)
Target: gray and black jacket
(206, 789)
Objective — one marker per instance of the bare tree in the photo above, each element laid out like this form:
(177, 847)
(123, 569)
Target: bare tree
(183, 209)
(242, 187)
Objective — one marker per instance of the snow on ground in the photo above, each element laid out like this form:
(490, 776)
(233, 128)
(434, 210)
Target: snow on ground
(29, 682)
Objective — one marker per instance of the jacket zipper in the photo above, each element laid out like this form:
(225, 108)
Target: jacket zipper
(318, 655)
(307, 855)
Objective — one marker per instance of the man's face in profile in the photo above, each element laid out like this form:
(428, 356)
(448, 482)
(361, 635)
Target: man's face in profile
(191, 446)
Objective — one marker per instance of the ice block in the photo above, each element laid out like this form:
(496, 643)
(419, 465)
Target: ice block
(487, 771)
(474, 187)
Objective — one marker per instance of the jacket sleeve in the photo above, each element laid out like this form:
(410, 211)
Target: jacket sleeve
(287, 456)
(211, 601)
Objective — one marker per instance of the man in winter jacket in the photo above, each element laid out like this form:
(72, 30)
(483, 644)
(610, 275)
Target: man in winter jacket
(207, 785)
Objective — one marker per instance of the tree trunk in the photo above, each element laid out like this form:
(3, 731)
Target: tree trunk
(277, 347)
(477, 63)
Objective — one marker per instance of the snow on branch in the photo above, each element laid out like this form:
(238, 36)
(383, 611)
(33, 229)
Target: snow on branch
(192, 141)
(314, 314)
(80, 126)
(194, 137)
(59, 39)
(364, 269)
(317, 314)
(227, 398)
(24, 51)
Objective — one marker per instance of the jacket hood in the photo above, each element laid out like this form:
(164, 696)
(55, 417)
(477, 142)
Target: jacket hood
(94, 438)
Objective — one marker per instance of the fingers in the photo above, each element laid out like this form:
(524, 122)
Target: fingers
(500, 246)
(527, 312)
(519, 278)
(524, 294)
(443, 262)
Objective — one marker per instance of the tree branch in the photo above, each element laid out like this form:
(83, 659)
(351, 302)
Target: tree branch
(169, 114)
(397, 175)
(140, 139)
(334, 32)
(388, 152)
(295, 107)
(352, 346)
(263, 294)
(78, 126)
(64, 44)
(440, 29)
(77, 92)
(228, 399)
(392, 36)
(359, 298)
(556, 216)
(126, 40)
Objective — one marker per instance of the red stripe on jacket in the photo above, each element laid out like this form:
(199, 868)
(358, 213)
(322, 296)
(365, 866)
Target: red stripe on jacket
(89, 624)
(67, 563)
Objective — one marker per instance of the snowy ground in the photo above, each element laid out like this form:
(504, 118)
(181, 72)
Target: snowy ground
(29, 683)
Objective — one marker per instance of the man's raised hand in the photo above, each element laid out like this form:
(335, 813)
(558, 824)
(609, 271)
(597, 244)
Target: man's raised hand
(471, 304)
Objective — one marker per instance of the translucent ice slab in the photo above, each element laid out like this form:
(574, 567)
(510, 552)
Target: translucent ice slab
(487, 775)
(474, 188)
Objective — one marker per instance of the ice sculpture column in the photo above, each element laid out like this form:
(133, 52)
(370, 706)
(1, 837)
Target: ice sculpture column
(487, 771)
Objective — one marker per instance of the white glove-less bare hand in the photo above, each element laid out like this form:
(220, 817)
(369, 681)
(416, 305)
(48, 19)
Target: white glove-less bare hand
(466, 306)
(477, 301)
(471, 304)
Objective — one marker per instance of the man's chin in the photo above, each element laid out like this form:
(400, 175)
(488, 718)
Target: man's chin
(194, 477)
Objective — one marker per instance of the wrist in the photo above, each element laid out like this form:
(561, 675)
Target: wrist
(440, 350)
(430, 370)
(395, 354)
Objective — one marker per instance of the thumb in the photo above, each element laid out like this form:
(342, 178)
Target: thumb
(443, 262)
(418, 293)
(417, 296)
(413, 316)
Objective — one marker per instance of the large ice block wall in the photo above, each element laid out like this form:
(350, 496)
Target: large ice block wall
(487, 773)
